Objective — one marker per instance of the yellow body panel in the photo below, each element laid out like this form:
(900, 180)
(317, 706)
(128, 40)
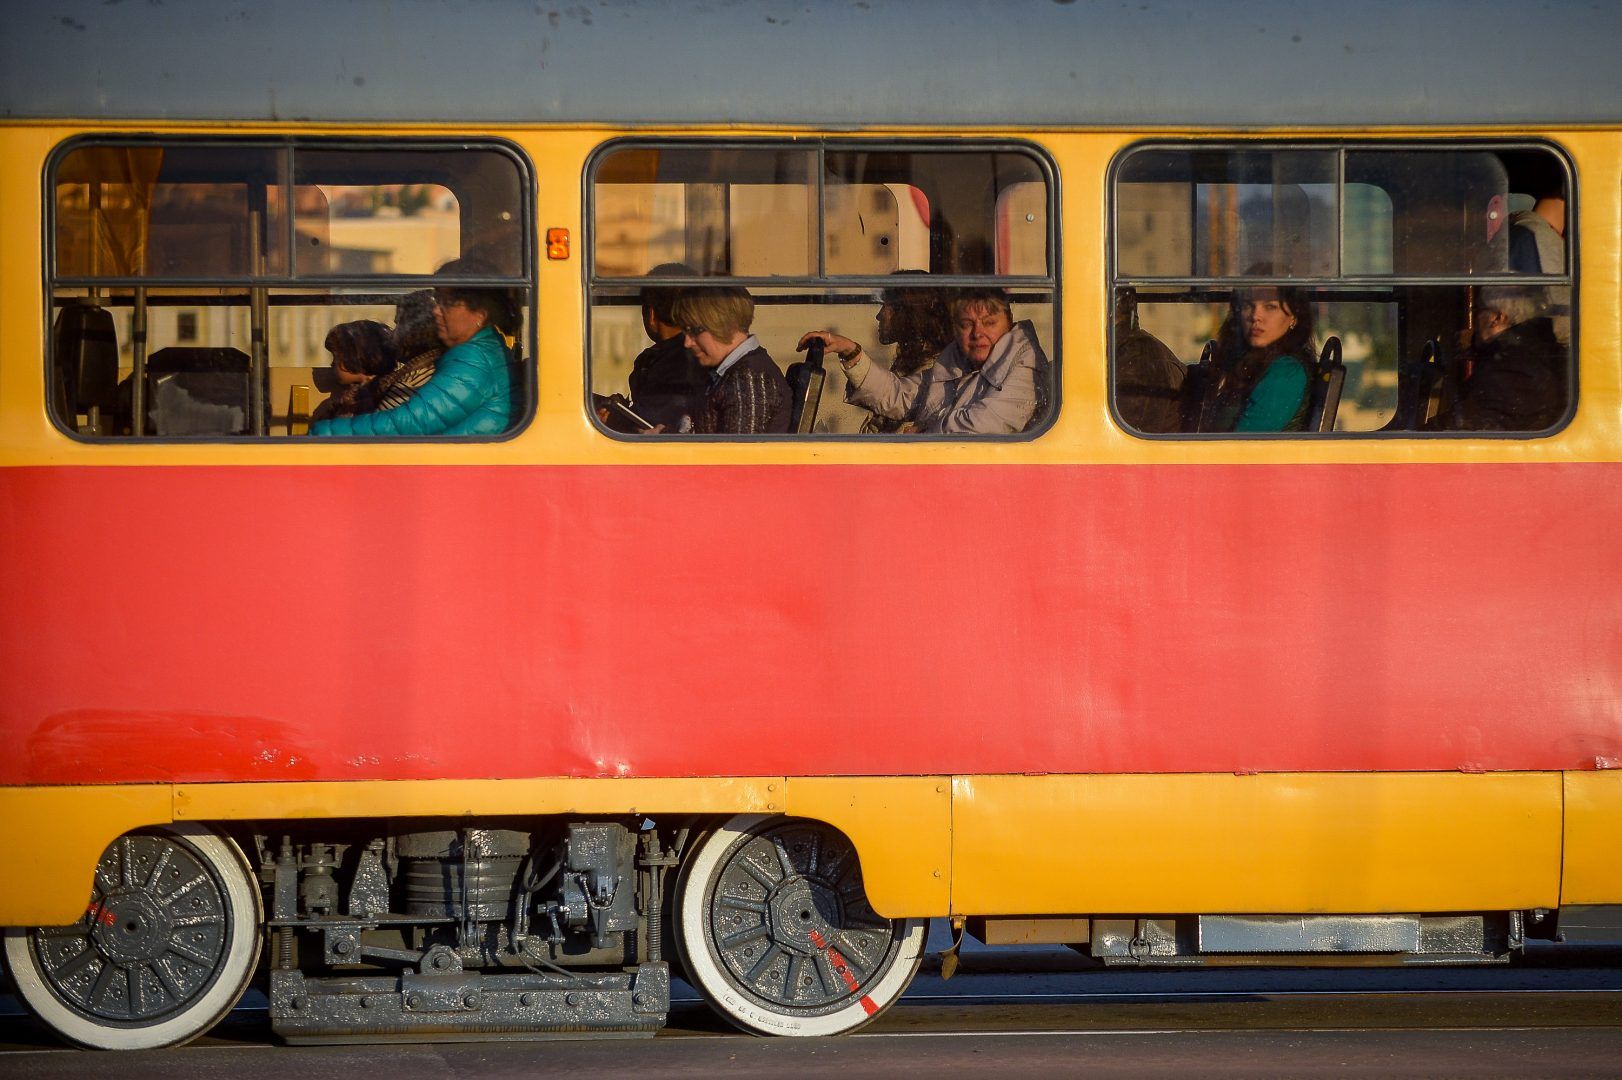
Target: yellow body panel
(1592, 872)
(1286, 843)
(902, 829)
(468, 798)
(980, 845)
(51, 838)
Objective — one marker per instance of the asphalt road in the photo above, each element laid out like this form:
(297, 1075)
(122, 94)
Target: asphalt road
(1011, 1013)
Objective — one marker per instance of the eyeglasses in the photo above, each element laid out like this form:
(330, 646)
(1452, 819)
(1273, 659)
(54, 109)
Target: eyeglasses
(442, 302)
(694, 331)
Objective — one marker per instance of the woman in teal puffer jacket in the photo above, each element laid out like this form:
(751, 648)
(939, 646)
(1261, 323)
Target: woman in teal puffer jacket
(473, 391)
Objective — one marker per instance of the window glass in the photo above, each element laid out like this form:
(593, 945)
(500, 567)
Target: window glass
(621, 349)
(170, 212)
(179, 312)
(724, 212)
(940, 235)
(1360, 289)
(973, 212)
(1227, 213)
(1447, 210)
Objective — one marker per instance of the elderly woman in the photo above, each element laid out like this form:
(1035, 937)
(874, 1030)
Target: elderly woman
(471, 391)
(1265, 360)
(983, 383)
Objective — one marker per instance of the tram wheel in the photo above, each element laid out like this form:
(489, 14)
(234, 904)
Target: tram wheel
(165, 948)
(778, 935)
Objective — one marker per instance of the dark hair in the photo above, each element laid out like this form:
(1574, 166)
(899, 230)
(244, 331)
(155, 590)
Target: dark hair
(362, 347)
(659, 299)
(502, 308)
(415, 330)
(921, 325)
(1298, 341)
(1239, 367)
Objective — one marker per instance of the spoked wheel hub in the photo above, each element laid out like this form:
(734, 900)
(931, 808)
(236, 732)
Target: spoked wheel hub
(779, 933)
(165, 946)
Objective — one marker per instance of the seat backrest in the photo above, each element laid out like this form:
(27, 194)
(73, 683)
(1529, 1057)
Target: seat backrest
(197, 391)
(805, 379)
(1195, 384)
(85, 355)
(1328, 381)
(1418, 384)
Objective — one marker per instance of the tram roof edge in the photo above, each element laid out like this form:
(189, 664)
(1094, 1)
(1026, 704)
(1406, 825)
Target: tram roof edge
(817, 62)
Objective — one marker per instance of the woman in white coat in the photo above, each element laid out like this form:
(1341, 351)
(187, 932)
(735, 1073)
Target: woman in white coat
(984, 383)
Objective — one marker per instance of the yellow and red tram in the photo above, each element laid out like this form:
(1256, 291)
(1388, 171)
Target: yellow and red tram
(480, 734)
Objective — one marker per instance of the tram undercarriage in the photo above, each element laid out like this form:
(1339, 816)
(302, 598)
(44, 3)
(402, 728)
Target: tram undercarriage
(489, 931)
(521, 927)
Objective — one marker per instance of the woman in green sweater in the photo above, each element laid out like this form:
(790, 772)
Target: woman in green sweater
(473, 389)
(1265, 361)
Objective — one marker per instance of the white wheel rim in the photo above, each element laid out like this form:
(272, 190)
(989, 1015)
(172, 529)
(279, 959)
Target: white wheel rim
(813, 950)
(230, 965)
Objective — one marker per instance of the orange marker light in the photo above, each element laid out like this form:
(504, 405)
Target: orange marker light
(557, 243)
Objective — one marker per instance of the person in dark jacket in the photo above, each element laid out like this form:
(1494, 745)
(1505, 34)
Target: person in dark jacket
(667, 381)
(1148, 376)
(748, 394)
(1517, 370)
(472, 389)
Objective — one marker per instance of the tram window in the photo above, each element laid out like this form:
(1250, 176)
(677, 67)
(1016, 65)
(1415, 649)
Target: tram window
(1434, 275)
(174, 261)
(820, 235)
(723, 211)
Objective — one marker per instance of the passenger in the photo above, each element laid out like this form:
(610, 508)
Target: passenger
(472, 389)
(415, 339)
(1537, 237)
(918, 323)
(667, 382)
(361, 352)
(983, 383)
(1264, 364)
(747, 393)
(1148, 376)
(1517, 368)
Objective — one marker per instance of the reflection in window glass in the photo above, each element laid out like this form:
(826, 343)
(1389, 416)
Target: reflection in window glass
(224, 337)
(376, 228)
(170, 212)
(1227, 213)
(1417, 314)
(408, 211)
(982, 212)
(723, 212)
(1448, 212)
(897, 215)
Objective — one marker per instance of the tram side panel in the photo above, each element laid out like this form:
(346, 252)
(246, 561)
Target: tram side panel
(1076, 619)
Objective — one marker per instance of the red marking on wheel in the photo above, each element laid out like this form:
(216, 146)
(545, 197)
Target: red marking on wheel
(99, 914)
(842, 969)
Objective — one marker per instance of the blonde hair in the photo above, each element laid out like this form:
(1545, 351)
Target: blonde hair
(993, 300)
(724, 311)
